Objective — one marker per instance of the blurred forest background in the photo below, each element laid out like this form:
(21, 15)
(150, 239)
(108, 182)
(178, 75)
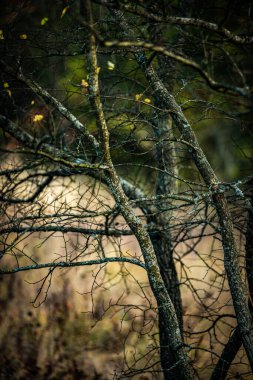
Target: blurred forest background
(97, 322)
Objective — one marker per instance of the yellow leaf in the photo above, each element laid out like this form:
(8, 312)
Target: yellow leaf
(147, 100)
(64, 11)
(23, 36)
(110, 65)
(84, 83)
(44, 21)
(32, 102)
(98, 70)
(1, 35)
(6, 86)
(138, 97)
(37, 118)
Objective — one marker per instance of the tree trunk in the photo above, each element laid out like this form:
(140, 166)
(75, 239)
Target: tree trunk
(161, 239)
(235, 341)
(177, 364)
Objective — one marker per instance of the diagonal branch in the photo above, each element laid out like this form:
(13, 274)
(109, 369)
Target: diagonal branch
(49, 99)
(222, 87)
(64, 230)
(63, 264)
(45, 150)
(175, 20)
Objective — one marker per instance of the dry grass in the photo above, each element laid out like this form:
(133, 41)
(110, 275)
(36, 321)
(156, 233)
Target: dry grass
(92, 323)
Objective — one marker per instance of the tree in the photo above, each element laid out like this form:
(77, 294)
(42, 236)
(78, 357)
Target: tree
(137, 81)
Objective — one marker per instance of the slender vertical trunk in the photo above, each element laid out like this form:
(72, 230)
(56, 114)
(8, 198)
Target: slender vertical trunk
(235, 341)
(162, 239)
(249, 249)
(165, 184)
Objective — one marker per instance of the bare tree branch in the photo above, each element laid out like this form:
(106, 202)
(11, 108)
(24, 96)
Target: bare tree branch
(174, 20)
(63, 264)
